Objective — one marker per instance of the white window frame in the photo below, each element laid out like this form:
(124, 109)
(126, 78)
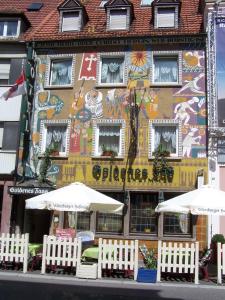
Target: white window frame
(6, 72)
(165, 122)
(79, 20)
(102, 3)
(169, 54)
(146, 4)
(4, 36)
(156, 20)
(126, 27)
(99, 68)
(107, 122)
(59, 57)
(43, 134)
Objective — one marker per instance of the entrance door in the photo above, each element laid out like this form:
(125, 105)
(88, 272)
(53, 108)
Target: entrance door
(37, 224)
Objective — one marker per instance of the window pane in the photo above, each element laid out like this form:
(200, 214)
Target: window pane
(165, 69)
(1, 28)
(109, 138)
(4, 71)
(112, 223)
(77, 220)
(112, 70)
(166, 138)
(56, 138)
(10, 135)
(12, 28)
(118, 19)
(146, 2)
(177, 224)
(61, 72)
(70, 21)
(166, 17)
(142, 212)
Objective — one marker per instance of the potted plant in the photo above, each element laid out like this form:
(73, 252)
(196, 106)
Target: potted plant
(149, 272)
(54, 148)
(108, 152)
(217, 238)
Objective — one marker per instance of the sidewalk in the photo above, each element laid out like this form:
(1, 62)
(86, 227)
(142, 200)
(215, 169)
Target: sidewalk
(104, 282)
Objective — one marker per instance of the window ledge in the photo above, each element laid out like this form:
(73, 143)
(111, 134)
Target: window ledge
(107, 157)
(160, 84)
(57, 87)
(123, 85)
(168, 158)
(54, 157)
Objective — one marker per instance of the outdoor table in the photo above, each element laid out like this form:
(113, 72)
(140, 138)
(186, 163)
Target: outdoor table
(34, 249)
(90, 253)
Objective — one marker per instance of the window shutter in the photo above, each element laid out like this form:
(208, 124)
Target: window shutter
(118, 19)
(1, 135)
(15, 69)
(71, 21)
(4, 68)
(10, 136)
(166, 17)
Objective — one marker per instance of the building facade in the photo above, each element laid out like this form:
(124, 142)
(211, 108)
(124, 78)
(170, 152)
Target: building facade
(120, 104)
(214, 23)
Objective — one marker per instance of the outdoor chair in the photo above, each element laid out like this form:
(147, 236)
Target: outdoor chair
(204, 263)
(87, 239)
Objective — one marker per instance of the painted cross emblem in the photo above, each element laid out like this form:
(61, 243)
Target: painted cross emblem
(90, 59)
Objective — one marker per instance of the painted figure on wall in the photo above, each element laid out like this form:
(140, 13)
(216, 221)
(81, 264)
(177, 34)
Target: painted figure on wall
(182, 110)
(194, 59)
(193, 85)
(190, 140)
(93, 102)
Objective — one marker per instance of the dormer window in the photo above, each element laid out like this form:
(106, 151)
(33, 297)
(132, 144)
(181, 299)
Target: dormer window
(166, 13)
(9, 28)
(118, 19)
(119, 14)
(71, 21)
(165, 17)
(73, 16)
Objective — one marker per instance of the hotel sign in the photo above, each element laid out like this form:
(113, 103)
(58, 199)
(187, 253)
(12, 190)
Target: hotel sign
(23, 190)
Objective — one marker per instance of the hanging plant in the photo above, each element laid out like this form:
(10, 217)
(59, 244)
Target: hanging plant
(45, 165)
(162, 171)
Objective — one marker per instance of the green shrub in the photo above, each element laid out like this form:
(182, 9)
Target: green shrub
(218, 238)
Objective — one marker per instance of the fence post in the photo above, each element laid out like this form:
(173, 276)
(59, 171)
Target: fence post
(100, 258)
(44, 254)
(136, 260)
(25, 258)
(196, 262)
(159, 261)
(219, 275)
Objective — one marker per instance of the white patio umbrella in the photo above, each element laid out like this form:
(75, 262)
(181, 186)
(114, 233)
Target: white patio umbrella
(76, 197)
(203, 201)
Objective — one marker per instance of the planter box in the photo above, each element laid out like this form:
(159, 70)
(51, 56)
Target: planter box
(146, 275)
(86, 270)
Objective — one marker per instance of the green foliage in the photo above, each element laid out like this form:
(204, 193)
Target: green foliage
(150, 260)
(45, 164)
(162, 171)
(218, 238)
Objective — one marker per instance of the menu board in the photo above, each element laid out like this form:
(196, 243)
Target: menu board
(65, 233)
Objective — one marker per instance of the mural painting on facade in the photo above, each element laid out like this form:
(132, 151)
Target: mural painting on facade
(193, 61)
(88, 67)
(194, 142)
(193, 83)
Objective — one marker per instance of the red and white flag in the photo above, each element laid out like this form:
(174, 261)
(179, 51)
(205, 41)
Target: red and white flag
(19, 88)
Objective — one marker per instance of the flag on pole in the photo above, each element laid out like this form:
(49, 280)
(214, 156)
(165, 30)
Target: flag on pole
(19, 88)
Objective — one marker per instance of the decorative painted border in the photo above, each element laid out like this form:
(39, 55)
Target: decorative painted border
(175, 20)
(44, 123)
(164, 122)
(108, 19)
(111, 54)
(48, 70)
(163, 54)
(107, 122)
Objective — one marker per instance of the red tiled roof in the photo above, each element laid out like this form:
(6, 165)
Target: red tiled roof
(45, 23)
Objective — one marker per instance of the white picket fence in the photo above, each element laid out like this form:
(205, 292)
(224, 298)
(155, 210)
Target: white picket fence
(220, 262)
(60, 252)
(118, 255)
(178, 258)
(14, 248)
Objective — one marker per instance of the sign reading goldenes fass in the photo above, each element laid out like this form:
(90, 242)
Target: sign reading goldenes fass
(24, 190)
